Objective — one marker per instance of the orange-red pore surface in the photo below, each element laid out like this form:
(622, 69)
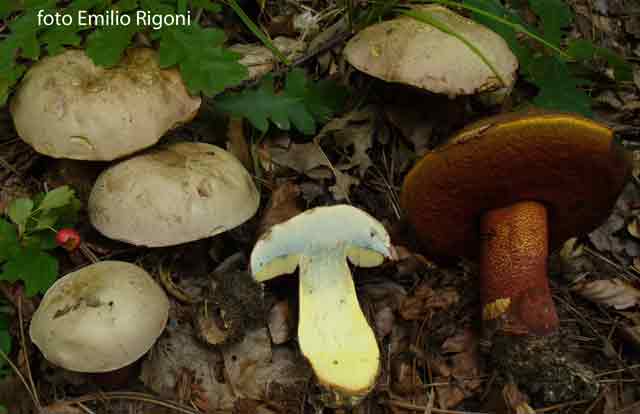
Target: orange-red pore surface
(513, 269)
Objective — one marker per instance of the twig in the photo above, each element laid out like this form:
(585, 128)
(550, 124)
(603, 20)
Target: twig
(23, 343)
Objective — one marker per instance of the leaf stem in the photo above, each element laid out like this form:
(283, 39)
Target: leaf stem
(256, 30)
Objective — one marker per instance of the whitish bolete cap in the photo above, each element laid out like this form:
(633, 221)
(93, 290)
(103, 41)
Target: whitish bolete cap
(173, 195)
(68, 107)
(100, 318)
(407, 51)
(566, 162)
(333, 333)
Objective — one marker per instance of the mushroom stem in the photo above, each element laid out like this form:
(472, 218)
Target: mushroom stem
(513, 270)
(333, 333)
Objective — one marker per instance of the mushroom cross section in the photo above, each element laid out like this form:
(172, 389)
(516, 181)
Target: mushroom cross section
(333, 333)
(508, 189)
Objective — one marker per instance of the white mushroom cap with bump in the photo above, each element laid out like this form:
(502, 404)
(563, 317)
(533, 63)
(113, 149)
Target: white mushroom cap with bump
(68, 107)
(333, 333)
(411, 52)
(173, 195)
(100, 318)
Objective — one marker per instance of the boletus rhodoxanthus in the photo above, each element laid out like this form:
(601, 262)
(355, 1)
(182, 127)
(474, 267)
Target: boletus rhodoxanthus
(173, 195)
(67, 107)
(507, 189)
(100, 318)
(333, 333)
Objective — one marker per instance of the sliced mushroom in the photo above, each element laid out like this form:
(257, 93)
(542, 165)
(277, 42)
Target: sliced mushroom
(333, 333)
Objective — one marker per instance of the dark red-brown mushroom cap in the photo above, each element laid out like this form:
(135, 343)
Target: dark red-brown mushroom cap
(566, 162)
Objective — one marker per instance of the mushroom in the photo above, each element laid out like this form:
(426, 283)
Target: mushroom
(67, 107)
(100, 318)
(508, 188)
(167, 196)
(333, 333)
(407, 51)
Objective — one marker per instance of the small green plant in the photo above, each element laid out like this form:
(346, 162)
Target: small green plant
(301, 102)
(206, 66)
(557, 69)
(30, 233)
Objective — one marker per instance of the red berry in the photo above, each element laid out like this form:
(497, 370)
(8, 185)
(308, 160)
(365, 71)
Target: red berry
(69, 239)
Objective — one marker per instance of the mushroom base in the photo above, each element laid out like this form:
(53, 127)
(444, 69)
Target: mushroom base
(513, 270)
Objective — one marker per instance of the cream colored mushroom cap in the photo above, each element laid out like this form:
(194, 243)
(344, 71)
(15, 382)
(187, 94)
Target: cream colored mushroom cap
(100, 318)
(173, 195)
(410, 52)
(67, 107)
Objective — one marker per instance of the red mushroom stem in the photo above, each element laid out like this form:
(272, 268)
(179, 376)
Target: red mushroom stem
(513, 270)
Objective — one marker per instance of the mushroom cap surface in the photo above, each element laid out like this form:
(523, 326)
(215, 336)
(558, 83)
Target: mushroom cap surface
(100, 318)
(317, 232)
(167, 196)
(566, 162)
(68, 107)
(407, 51)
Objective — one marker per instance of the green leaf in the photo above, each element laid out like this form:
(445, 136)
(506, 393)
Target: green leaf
(19, 211)
(57, 37)
(205, 66)
(8, 240)
(42, 240)
(58, 197)
(207, 5)
(509, 34)
(584, 50)
(555, 15)
(105, 46)
(8, 78)
(558, 89)
(302, 103)
(35, 268)
(24, 32)
(126, 5)
(7, 7)
(46, 220)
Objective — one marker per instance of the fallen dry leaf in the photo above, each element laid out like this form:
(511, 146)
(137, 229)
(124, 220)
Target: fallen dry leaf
(461, 369)
(237, 142)
(253, 366)
(282, 206)
(259, 60)
(611, 292)
(425, 300)
(178, 351)
(281, 322)
(353, 131)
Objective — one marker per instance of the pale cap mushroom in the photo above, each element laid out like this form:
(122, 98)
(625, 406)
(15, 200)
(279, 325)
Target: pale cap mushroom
(410, 52)
(68, 107)
(100, 318)
(167, 196)
(333, 333)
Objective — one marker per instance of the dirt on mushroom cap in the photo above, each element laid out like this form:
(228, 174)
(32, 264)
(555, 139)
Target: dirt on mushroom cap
(564, 161)
(67, 107)
(173, 195)
(100, 318)
(414, 53)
